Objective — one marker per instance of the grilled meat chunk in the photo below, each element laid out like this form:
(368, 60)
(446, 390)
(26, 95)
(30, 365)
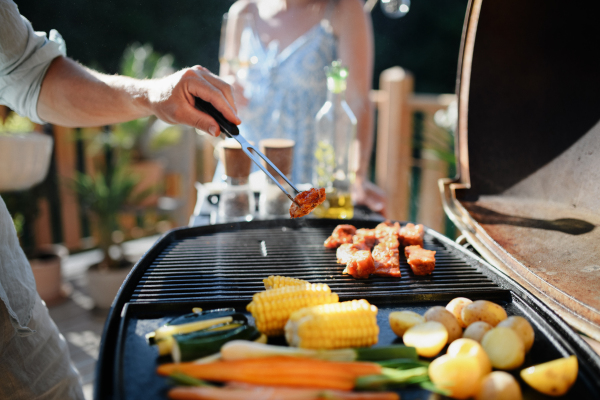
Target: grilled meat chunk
(421, 261)
(307, 201)
(340, 235)
(361, 264)
(412, 234)
(387, 257)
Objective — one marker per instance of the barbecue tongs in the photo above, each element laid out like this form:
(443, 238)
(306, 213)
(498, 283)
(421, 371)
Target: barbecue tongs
(232, 131)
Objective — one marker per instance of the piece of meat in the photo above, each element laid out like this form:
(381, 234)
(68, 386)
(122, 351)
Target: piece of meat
(365, 239)
(420, 260)
(361, 264)
(386, 228)
(345, 252)
(340, 235)
(386, 257)
(412, 235)
(307, 201)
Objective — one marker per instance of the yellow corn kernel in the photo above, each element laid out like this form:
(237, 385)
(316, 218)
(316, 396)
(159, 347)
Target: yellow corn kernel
(272, 308)
(333, 326)
(276, 281)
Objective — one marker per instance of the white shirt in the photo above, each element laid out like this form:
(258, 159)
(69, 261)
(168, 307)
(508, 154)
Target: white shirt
(24, 58)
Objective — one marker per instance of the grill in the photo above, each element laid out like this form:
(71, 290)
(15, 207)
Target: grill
(226, 266)
(223, 265)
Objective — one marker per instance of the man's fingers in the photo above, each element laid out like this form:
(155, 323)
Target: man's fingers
(217, 92)
(191, 116)
(224, 87)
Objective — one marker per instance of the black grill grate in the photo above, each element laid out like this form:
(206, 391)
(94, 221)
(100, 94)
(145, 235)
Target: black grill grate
(230, 265)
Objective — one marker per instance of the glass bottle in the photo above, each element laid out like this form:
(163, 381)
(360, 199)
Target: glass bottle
(335, 134)
(236, 202)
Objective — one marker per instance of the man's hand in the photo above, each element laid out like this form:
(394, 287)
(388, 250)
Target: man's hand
(72, 95)
(172, 98)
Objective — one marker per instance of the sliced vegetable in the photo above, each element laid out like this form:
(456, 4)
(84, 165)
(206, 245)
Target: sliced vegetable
(504, 347)
(165, 345)
(553, 378)
(206, 342)
(271, 393)
(428, 338)
(477, 330)
(522, 327)
(499, 385)
(185, 380)
(446, 318)
(461, 375)
(241, 349)
(455, 306)
(483, 310)
(401, 321)
(390, 377)
(195, 322)
(279, 371)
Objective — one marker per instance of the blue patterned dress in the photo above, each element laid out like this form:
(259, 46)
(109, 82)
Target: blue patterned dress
(286, 90)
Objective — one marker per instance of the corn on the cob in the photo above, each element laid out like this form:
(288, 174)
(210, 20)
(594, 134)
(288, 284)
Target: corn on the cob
(272, 308)
(276, 281)
(333, 326)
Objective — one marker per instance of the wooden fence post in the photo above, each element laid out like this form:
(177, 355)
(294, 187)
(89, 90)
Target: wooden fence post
(394, 140)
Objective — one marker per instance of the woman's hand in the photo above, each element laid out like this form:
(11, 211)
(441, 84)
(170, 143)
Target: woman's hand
(365, 192)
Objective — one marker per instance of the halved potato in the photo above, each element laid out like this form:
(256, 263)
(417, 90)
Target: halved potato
(427, 338)
(460, 375)
(455, 307)
(483, 310)
(471, 348)
(553, 378)
(504, 347)
(400, 321)
(446, 318)
(499, 385)
(523, 329)
(476, 330)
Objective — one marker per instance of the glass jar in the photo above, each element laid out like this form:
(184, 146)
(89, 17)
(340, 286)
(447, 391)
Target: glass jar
(273, 202)
(335, 135)
(236, 202)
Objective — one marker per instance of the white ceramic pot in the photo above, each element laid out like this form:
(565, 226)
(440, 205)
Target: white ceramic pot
(104, 285)
(24, 160)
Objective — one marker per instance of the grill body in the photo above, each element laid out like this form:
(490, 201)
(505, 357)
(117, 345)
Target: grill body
(223, 266)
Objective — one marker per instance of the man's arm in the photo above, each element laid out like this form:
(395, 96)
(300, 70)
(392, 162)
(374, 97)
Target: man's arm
(73, 95)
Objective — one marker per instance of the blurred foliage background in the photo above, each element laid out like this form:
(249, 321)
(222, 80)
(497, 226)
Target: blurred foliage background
(426, 41)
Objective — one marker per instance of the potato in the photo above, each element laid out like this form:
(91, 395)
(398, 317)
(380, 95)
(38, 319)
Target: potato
(523, 329)
(504, 347)
(471, 348)
(427, 338)
(400, 321)
(476, 330)
(445, 317)
(499, 385)
(460, 375)
(553, 378)
(455, 307)
(483, 310)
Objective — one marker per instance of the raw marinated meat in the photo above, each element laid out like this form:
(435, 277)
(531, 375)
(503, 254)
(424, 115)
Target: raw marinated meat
(421, 261)
(340, 235)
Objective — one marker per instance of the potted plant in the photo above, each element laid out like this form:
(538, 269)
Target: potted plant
(24, 160)
(103, 195)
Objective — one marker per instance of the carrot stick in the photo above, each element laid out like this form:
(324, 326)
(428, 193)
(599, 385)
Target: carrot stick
(282, 371)
(271, 393)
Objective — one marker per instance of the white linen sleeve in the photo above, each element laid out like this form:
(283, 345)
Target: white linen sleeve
(25, 56)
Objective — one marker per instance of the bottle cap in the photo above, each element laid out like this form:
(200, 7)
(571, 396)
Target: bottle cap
(280, 152)
(336, 77)
(235, 162)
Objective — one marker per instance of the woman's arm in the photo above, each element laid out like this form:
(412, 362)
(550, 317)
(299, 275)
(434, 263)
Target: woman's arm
(73, 95)
(353, 28)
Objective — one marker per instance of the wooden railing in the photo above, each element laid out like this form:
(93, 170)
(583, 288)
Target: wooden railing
(395, 165)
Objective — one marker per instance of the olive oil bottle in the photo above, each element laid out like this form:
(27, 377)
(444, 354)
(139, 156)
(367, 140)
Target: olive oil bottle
(335, 135)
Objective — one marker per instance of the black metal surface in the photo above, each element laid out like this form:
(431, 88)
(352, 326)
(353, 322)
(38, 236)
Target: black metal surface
(223, 265)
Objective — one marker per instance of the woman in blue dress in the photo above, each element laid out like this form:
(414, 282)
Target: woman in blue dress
(286, 45)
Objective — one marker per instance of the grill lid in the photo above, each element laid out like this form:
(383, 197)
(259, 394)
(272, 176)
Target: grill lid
(527, 195)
